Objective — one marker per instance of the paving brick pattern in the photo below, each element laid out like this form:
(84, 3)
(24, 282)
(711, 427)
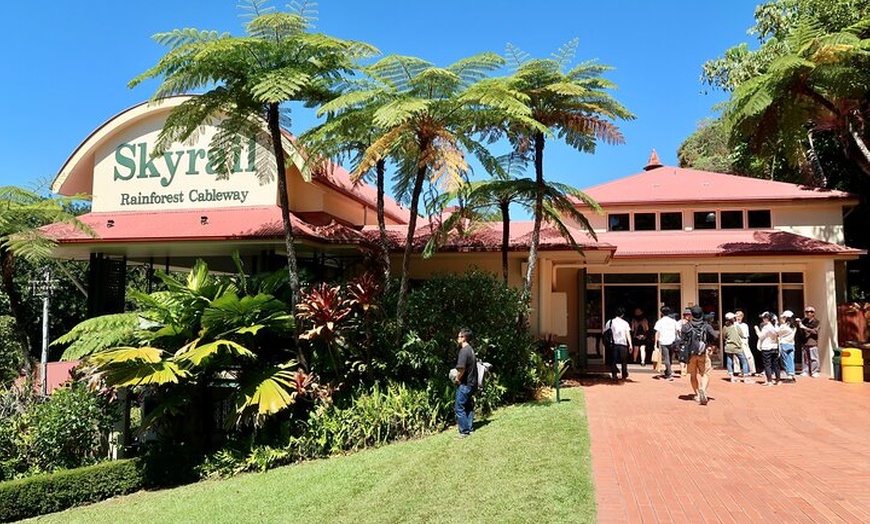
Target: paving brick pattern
(792, 453)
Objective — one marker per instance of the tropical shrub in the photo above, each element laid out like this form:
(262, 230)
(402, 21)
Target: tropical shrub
(67, 430)
(376, 416)
(11, 350)
(480, 301)
(208, 344)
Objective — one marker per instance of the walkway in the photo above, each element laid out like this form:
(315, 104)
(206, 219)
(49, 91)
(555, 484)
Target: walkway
(787, 454)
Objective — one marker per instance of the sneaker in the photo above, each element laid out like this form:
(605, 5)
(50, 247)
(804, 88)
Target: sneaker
(733, 379)
(768, 384)
(702, 397)
(805, 374)
(698, 398)
(670, 379)
(792, 378)
(748, 380)
(463, 435)
(817, 375)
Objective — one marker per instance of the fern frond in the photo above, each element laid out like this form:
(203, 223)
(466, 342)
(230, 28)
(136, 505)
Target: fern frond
(566, 53)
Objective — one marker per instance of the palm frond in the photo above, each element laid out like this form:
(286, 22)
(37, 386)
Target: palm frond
(98, 334)
(198, 355)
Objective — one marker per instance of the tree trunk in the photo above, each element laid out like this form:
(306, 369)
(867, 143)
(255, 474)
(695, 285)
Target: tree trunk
(539, 214)
(504, 205)
(864, 161)
(284, 200)
(15, 305)
(402, 304)
(380, 170)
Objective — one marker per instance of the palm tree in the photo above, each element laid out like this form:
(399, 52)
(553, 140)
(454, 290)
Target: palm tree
(478, 198)
(575, 104)
(819, 86)
(427, 116)
(348, 133)
(22, 212)
(247, 79)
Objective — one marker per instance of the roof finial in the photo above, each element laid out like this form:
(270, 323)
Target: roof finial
(653, 162)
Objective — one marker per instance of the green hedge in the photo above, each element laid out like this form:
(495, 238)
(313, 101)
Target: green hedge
(48, 493)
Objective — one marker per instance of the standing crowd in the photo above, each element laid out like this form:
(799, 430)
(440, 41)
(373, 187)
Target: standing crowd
(692, 340)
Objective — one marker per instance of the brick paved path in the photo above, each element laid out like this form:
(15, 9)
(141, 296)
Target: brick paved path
(790, 453)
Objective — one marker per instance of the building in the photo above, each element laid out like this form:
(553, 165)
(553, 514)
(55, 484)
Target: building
(668, 235)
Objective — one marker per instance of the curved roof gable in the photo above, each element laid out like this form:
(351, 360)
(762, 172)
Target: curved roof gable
(76, 176)
(675, 185)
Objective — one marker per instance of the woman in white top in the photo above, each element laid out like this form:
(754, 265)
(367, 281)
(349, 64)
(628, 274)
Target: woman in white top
(769, 347)
(786, 331)
(744, 333)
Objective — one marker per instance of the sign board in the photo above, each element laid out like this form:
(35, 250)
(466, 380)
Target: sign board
(128, 176)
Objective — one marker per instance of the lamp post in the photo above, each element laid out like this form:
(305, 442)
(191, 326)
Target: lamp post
(42, 288)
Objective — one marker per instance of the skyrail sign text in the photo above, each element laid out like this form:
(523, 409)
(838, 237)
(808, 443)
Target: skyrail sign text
(129, 178)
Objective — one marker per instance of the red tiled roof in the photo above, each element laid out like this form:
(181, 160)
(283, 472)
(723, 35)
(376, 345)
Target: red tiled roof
(487, 237)
(197, 224)
(719, 243)
(675, 185)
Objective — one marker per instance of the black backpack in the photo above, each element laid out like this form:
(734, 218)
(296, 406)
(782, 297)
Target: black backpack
(607, 336)
(695, 341)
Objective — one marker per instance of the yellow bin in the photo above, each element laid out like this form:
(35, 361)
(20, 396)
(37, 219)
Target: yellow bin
(852, 363)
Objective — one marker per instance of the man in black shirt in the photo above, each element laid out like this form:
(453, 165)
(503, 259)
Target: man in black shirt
(466, 382)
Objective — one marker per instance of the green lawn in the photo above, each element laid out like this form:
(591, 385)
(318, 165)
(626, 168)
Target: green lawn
(527, 463)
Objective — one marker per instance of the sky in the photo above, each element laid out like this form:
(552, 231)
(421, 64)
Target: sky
(67, 64)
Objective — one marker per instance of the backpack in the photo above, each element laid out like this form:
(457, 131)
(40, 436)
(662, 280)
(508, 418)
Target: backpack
(482, 371)
(695, 341)
(607, 336)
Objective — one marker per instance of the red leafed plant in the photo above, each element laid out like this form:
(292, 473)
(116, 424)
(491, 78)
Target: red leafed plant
(365, 292)
(322, 309)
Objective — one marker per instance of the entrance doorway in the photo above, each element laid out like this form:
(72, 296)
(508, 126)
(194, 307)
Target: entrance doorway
(632, 297)
(753, 300)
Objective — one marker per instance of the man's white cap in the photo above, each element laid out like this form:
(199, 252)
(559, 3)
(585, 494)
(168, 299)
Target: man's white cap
(787, 313)
(729, 316)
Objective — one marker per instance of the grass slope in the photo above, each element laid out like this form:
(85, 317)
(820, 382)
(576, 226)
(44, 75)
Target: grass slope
(527, 463)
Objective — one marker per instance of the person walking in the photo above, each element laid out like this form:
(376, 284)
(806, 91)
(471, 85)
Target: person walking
(621, 333)
(808, 332)
(733, 348)
(681, 353)
(665, 338)
(769, 347)
(787, 330)
(744, 334)
(466, 383)
(696, 334)
(639, 335)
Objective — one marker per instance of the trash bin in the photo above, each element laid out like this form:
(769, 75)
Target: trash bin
(561, 352)
(838, 375)
(852, 362)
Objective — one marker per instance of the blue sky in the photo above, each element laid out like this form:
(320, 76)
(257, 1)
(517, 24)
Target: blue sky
(67, 64)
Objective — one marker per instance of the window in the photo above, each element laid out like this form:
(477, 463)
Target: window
(631, 278)
(731, 219)
(759, 218)
(671, 221)
(644, 221)
(618, 222)
(705, 220)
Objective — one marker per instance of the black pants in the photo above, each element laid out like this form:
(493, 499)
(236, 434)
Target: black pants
(771, 363)
(619, 353)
